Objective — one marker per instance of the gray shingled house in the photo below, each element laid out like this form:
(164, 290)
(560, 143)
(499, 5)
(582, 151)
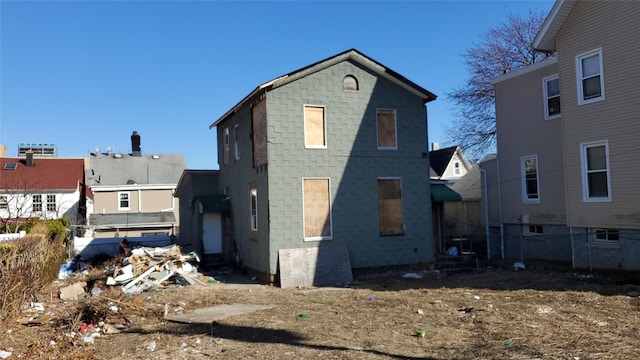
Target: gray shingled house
(331, 159)
(133, 193)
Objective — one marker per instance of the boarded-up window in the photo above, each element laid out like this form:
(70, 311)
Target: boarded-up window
(314, 127)
(259, 130)
(317, 209)
(390, 206)
(387, 129)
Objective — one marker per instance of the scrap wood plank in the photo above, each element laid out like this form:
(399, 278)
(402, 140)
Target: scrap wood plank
(138, 279)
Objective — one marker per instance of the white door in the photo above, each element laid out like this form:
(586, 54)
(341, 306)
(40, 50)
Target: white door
(212, 233)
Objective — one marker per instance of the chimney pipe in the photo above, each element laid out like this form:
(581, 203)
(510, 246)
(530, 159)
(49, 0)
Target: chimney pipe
(29, 160)
(135, 144)
(435, 146)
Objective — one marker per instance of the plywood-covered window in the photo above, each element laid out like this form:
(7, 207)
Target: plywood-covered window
(317, 208)
(259, 133)
(387, 139)
(315, 127)
(390, 206)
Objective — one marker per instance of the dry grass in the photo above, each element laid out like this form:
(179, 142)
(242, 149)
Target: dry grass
(496, 314)
(27, 265)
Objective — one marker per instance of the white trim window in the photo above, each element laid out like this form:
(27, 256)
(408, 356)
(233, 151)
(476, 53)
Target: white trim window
(390, 217)
(532, 230)
(456, 168)
(36, 203)
(316, 208)
(52, 205)
(4, 202)
(596, 182)
(605, 235)
(590, 77)
(253, 207)
(387, 129)
(236, 143)
(124, 200)
(551, 89)
(225, 145)
(530, 179)
(315, 127)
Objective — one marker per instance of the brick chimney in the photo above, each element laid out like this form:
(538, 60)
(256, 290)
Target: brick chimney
(135, 144)
(29, 160)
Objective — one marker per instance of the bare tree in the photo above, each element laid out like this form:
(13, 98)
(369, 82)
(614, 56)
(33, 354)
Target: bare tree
(504, 48)
(16, 202)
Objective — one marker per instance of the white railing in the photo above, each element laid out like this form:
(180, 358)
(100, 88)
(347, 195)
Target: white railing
(88, 247)
(5, 237)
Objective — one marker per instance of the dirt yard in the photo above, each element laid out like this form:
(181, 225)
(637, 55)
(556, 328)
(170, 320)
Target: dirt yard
(544, 312)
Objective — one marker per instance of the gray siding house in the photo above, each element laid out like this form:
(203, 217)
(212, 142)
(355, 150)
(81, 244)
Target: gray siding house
(331, 157)
(133, 193)
(567, 141)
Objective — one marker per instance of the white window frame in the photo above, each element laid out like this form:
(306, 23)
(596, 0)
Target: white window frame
(585, 171)
(547, 97)
(4, 202)
(316, 238)
(35, 203)
(403, 231)
(527, 229)
(456, 168)
(580, 77)
(395, 124)
(225, 143)
(236, 143)
(523, 175)
(253, 208)
(324, 121)
(128, 194)
(608, 233)
(49, 207)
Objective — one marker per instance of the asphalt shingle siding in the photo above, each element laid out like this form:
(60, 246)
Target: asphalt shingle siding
(351, 161)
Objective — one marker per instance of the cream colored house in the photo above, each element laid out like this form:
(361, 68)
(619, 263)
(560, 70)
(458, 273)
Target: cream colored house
(567, 171)
(133, 194)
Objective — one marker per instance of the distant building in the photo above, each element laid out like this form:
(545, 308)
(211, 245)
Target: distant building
(133, 193)
(38, 150)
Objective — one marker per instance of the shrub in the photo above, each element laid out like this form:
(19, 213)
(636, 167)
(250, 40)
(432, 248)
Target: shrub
(30, 263)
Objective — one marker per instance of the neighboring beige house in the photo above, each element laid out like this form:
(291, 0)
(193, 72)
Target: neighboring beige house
(449, 163)
(133, 193)
(567, 171)
(455, 197)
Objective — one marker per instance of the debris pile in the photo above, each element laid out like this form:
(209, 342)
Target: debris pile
(148, 268)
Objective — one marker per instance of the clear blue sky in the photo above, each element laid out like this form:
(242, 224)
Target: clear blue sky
(86, 74)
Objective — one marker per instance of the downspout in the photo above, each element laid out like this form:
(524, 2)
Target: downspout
(486, 211)
(500, 211)
(573, 255)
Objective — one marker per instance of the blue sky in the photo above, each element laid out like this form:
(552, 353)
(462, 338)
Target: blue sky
(86, 74)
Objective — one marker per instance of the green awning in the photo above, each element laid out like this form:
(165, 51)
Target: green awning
(214, 203)
(441, 192)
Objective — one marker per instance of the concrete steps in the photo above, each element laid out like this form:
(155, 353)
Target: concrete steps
(453, 264)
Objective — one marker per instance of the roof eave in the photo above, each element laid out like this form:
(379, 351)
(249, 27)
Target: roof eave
(546, 38)
(353, 54)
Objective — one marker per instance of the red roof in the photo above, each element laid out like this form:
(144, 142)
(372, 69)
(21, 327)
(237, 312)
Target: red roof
(45, 174)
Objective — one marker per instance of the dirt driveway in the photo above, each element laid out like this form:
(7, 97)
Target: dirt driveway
(544, 312)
